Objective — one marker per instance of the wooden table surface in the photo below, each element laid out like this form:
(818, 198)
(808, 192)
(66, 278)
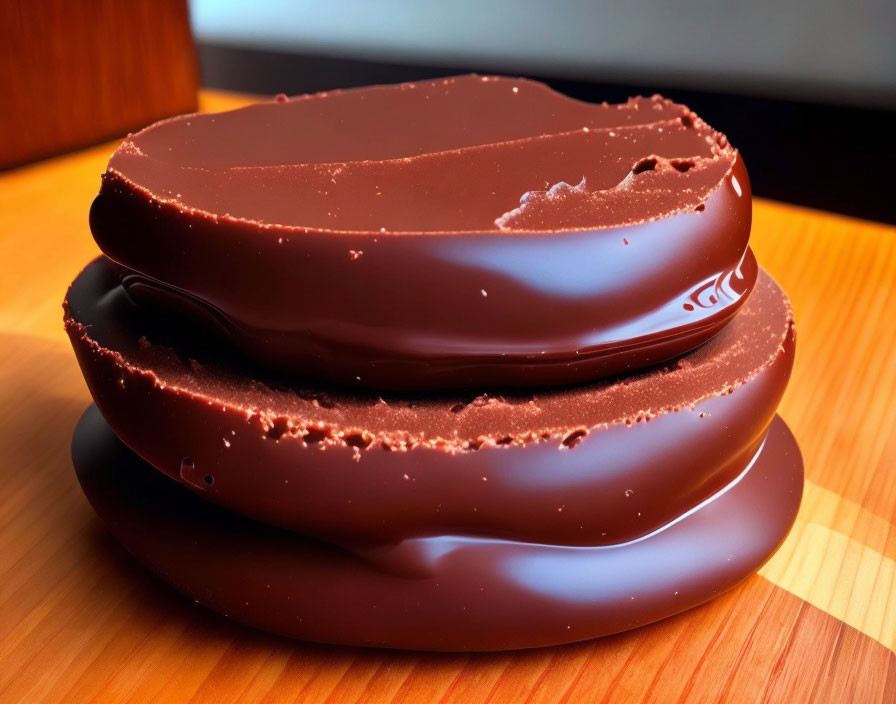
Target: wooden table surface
(80, 621)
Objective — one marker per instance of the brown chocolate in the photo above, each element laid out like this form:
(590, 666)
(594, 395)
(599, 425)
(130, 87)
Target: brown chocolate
(471, 233)
(444, 592)
(589, 465)
(460, 233)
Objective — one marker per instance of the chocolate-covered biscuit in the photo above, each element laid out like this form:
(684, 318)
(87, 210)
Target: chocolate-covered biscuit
(447, 592)
(454, 365)
(458, 233)
(592, 464)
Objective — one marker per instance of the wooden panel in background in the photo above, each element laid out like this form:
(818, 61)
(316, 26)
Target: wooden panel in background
(74, 72)
(80, 621)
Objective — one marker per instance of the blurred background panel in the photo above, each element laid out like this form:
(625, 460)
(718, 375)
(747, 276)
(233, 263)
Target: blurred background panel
(843, 52)
(806, 88)
(75, 72)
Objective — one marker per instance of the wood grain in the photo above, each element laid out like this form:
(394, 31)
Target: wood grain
(79, 621)
(74, 72)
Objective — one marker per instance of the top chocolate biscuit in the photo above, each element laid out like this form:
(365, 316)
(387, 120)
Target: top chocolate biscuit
(466, 232)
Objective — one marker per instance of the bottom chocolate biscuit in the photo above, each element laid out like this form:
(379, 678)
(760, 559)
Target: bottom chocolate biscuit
(448, 592)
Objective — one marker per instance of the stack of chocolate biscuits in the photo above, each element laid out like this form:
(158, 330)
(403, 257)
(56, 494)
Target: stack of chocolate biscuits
(453, 365)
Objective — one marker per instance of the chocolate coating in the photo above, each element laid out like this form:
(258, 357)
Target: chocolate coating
(590, 465)
(437, 593)
(393, 251)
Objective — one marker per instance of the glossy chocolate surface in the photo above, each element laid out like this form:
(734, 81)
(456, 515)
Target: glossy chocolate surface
(448, 592)
(451, 234)
(589, 465)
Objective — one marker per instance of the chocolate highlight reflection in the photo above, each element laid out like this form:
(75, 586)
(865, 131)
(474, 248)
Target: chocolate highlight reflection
(346, 342)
